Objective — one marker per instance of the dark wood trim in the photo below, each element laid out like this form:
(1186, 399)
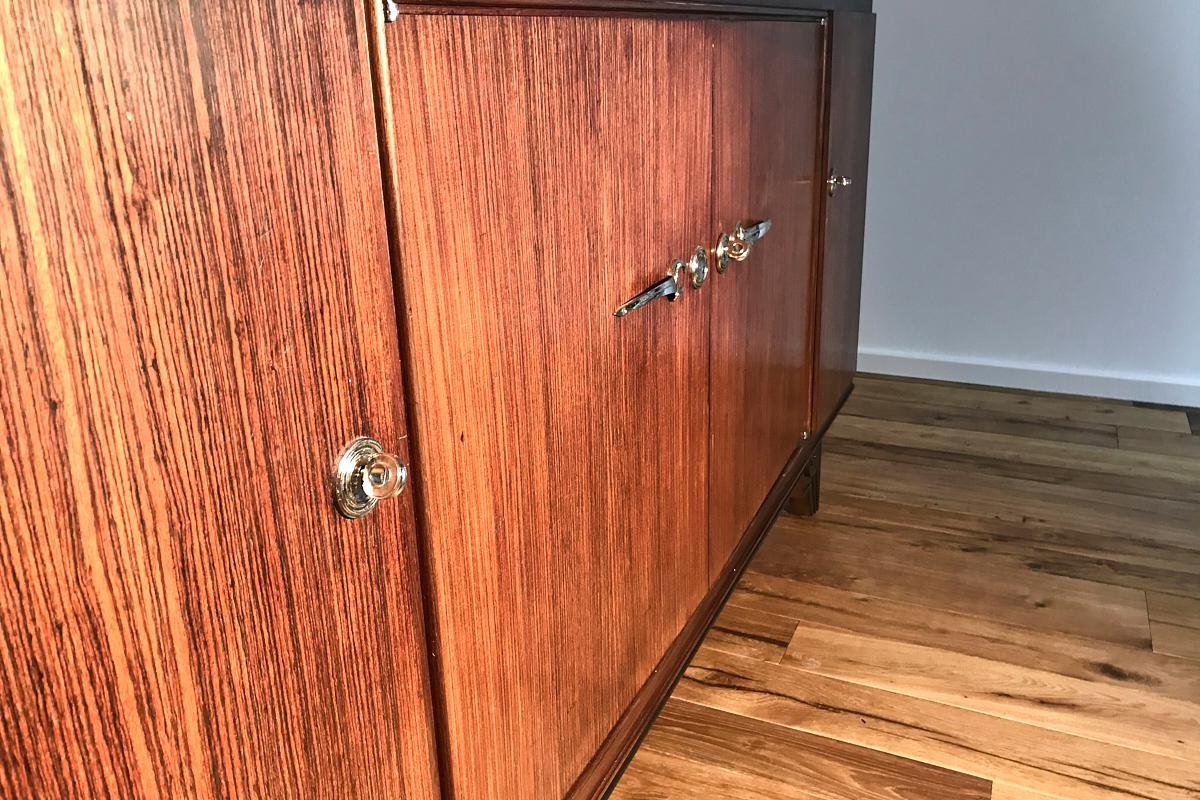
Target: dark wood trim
(377, 53)
(602, 772)
(775, 8)
(818, 247)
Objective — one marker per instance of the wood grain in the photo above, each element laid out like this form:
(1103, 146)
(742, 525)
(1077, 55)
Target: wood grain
(196, 317)
(1174, 624)
(564, 452)
(1012, 551)
(1007, 791)
(850, 65)
(815, 606)
(761, 633)
(1145, 474)
(1168, 443)
(1175, 640)
(783, 763)
(1041, 697)
(778, 7)
(1049, 510)
(1069, 408)
(766, 90)
(920, 730)
(898, 566)
(1125, 559)
(613, 754)
(1009, 628)
(986, 421)
(1173, 609)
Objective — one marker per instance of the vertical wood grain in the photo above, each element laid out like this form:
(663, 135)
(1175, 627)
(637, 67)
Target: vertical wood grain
(767, 87)
(549, 169)
(851, 63)
(196, 316)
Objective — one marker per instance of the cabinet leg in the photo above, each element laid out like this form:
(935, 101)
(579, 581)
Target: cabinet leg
(806, 497)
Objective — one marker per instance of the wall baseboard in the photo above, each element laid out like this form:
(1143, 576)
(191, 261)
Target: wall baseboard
(1038, 377)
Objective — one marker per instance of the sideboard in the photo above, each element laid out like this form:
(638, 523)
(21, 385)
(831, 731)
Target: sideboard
(393, 392)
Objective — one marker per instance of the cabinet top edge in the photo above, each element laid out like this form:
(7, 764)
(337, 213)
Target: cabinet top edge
(672, 6)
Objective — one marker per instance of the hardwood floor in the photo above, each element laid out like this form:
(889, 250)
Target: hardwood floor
(1000, 597)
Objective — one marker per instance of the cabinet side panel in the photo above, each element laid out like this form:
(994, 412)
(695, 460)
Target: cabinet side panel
(851, 54)
(766, 103)
(195, 317)
(549, 168)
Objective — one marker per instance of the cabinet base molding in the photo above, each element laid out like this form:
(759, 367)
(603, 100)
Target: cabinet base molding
(610, 760)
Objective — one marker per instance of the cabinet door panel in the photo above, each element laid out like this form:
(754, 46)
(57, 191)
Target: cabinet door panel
(549, 168)
(195, 316)
(851, 66)
(767, 89)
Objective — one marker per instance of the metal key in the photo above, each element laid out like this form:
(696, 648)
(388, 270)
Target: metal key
(669, 287)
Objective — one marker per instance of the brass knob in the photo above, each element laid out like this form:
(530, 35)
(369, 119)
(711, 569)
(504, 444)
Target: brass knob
(836, 182)
(363, 475)
(736, 246)
(698, 267)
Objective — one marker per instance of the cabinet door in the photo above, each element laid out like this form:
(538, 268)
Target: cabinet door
(195, 316)
(850, 67)
(767, 101)
(549, 168)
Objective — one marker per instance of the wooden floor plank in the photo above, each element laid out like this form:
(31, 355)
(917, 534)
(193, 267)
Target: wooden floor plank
(894, 567)
(1007, 791)
(1081, 658)
(1174, 609)
(1176, 640)
(1000, 584)
(1089, 709)
(1009, 401)
(1125, 471)
(764, 634)
(950, 488)
(953, 738)
(1034, 534)
(1169, 443)
(749, 752)
(656, 776)
(973, 419)
(1180, 575)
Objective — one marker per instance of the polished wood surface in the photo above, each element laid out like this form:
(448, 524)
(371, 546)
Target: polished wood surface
(962, 600)
(850, 61)
(767, 89)
(755, 7)
(563, 482)
(715, 753)
(196, 317)
(615, 751)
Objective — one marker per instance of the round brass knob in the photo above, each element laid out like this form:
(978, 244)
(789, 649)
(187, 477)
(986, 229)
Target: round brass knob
(363, 475)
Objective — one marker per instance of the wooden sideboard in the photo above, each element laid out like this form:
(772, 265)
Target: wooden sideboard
(237, 236)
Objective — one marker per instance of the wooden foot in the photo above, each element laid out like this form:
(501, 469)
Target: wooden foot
(805, 499)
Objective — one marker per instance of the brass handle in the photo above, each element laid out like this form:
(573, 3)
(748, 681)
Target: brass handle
(698, 266)
(669, 287)
(836, 182)
(363, 475)
(736, 246)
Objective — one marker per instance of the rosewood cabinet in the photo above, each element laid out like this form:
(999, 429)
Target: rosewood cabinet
(589, 483)
(196, 314)
(237, 237)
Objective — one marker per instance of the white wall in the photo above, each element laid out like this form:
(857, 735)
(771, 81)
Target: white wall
(1033, 214)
